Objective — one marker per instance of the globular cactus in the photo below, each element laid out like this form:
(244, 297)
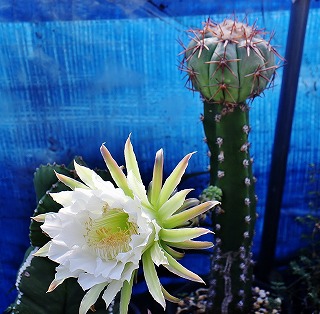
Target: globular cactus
(228, 64)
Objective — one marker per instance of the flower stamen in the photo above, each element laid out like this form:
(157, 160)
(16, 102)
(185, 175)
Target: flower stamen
(111, 233)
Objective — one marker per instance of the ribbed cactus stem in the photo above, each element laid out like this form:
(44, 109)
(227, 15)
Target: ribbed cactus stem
(233, 221)
(229, 63)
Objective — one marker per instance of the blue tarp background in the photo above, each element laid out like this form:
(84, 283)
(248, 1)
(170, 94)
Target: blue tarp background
(74, 74)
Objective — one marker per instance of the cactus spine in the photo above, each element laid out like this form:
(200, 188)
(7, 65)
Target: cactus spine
(228, 64)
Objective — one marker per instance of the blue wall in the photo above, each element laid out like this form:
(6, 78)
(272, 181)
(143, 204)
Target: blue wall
(71, 79)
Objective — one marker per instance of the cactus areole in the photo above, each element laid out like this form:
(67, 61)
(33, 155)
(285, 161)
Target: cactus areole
(229, 62)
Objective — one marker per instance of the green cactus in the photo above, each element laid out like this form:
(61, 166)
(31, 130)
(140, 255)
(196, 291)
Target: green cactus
(228, 64)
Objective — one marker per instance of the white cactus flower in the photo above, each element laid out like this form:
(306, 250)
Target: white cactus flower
(101, 233)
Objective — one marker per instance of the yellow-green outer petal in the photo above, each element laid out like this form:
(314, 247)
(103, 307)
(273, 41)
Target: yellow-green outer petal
(172, 204)
(176, 268)
(39, 218)
(138, 189)
(182, 217)
(131, 161)
(182, 234)
(152, 279)
(71, 183)
(191, 245)
(85, 174)
(157, 254)
(175, 254)
(157, 177)
(168, 296)
(43, 251)
(111, 291)
(125, 297)
(115, 171)
(173, 180)
(90, 298)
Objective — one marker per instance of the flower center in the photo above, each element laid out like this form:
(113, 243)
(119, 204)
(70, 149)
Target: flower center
(111, 233)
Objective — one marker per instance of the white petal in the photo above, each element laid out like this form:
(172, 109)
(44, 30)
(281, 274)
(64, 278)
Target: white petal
(63, 272)
(117, 271)
(87, 281)
(64, 198)
(59, 252)
(104, 267)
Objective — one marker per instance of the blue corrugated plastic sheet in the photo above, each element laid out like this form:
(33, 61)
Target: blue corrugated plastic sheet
(74, 74)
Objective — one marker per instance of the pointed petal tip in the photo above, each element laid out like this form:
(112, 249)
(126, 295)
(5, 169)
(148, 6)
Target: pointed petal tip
(103, 149)
(128, 141)
(39, 218)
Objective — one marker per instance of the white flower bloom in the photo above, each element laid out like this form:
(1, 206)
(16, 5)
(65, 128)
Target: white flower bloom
(98, 236)
(102, 232)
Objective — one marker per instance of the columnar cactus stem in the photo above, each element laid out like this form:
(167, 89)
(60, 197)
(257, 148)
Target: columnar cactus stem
(229, 63)
(234, 220)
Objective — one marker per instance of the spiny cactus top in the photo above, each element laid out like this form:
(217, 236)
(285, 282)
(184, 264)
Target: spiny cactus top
(229, 62)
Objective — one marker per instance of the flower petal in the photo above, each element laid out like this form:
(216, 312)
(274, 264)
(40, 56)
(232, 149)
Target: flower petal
(182, 217)
(180, 270)
(39, 218)
(188, 203)
(115, 171)
(156, 183)
(152, 279)
(182, 234)
(173, 204)
(191, 245)
(90, 298)
(138, 189)
(168, 296)
(157, 254)
(54, 284)
(173, 180)
(125, 297)
(71, 183)
(131, 161)
(64, 198)
(175, 254)
(112, 289)
(88, 176)
(43, 251)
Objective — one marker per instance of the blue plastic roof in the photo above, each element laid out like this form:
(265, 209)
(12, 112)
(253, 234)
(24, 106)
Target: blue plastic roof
(75, 74)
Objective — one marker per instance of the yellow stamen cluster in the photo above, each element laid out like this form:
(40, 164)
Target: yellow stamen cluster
(111, 233)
